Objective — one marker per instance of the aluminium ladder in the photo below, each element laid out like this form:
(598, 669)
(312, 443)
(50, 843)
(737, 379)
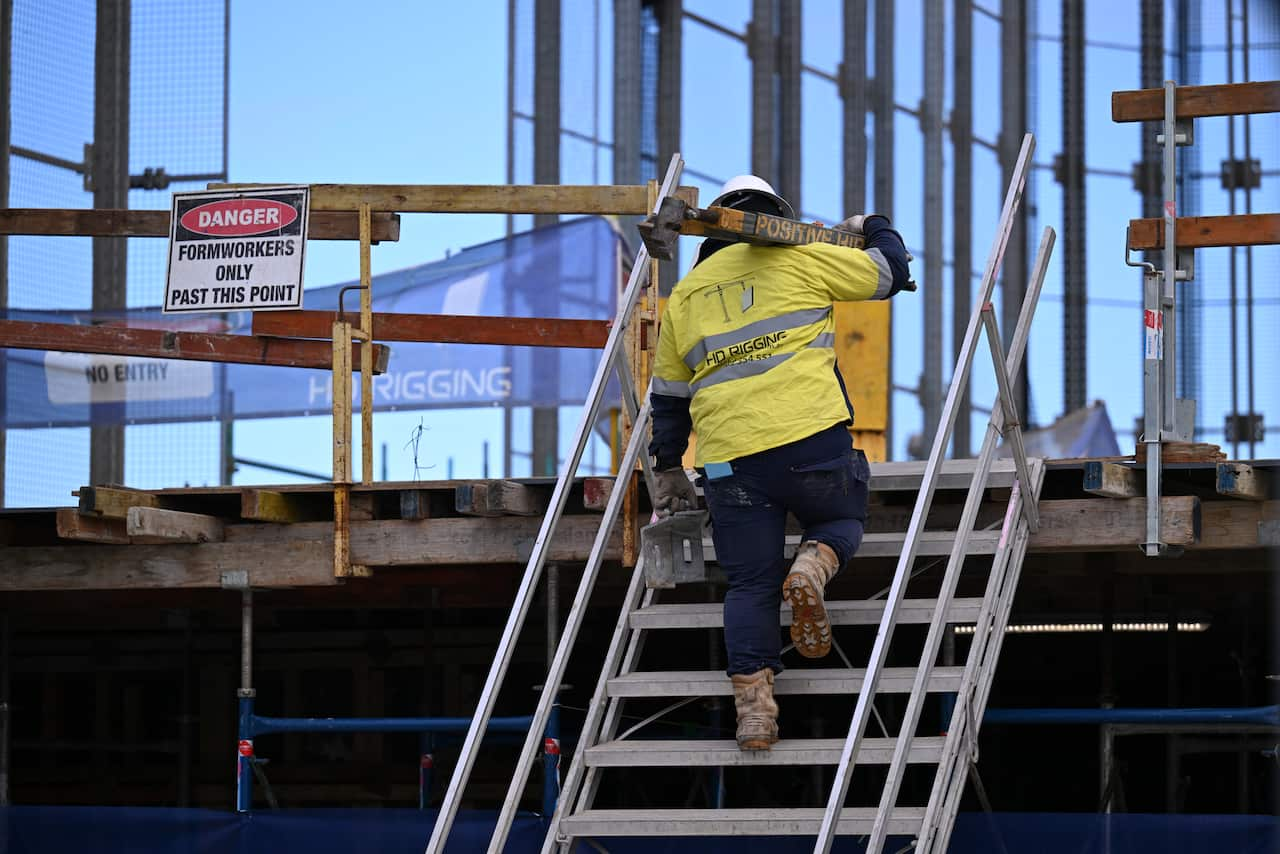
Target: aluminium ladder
(600, 746)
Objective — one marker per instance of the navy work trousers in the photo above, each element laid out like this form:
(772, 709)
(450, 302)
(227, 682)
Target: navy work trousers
(821, 480)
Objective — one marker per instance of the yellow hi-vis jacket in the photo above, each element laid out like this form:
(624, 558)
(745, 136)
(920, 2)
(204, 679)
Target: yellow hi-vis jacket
(749, 336)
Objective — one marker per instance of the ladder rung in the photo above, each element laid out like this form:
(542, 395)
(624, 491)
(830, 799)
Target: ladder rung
(956, 474)
(709, 683)
(646, 753)
(855, 612)
(771, 821)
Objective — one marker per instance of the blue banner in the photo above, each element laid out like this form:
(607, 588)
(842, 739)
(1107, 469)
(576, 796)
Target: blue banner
(570, 270)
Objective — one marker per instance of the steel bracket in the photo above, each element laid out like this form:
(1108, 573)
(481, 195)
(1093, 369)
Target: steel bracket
(235, 579)
(1184, 133)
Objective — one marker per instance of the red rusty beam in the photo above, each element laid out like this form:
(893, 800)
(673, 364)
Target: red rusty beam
(443, 328)
(163, 344)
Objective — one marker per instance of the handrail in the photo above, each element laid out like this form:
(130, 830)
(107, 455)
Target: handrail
(924, 500)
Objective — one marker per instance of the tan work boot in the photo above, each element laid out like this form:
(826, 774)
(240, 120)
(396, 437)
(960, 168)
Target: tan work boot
(757, 711)
(804, 589)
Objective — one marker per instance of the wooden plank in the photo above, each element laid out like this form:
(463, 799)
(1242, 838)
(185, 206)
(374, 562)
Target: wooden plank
(1202, 232)
(113, 501)
(269, 505)
(74, 525)
(153, 525)
(116, 222)
(163, 344)
(1111, 480)
(1193, 102)
(596, 492)
(1092, 524)
(444, 328)
(1182, 452)
(1239, 480)
(91, 567)
(482, 198)
(440, 542)
(510, 498)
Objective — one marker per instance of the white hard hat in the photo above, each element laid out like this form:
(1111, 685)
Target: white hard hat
(740, 187)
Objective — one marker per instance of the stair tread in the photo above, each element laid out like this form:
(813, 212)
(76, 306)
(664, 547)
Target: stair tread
(930, 544)
(734, 822)
(707, 683)
(652, 753)
(904, 476)
(841, 612)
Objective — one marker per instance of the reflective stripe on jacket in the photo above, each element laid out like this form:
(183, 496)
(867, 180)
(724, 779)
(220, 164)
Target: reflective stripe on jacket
(749, 336)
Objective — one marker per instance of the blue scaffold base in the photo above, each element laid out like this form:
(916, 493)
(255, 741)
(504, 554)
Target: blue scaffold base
(148, 830)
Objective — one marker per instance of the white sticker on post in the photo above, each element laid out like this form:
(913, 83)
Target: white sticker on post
(1153, 329)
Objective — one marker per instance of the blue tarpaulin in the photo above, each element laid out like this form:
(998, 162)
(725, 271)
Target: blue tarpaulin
(152, 830)
(570, 270)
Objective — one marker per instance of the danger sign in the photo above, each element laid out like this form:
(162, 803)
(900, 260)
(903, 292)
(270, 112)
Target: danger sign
(231, 250)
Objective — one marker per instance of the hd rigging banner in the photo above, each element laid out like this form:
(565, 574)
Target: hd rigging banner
(231, 250)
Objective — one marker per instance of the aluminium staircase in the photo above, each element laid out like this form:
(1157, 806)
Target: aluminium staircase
(601, 746)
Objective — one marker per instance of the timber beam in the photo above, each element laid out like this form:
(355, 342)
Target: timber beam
(1239, 480)
(1112, 480)
(117, 222)
(1195, 102)
(300, 555)
(623, 199)
(444, 328)
(164, 344)
(1203, 232)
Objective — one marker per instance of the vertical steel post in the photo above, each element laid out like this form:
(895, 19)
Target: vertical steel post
(1152, 377)
(670, 86)
(6, 78)
(426, 767)
(366, 348)
(6, 665)
(853, 90)
(762, 49)
(545, 441)
(789, 153)
(109, 173)
(1233, 287)
(962, 201)
(551, 733)
(931, 125)
(245, 695)
(1248, 250)
(627, 80)
(551, 764)
(1013, 89)
(884, 107)
(185, 717)
(1075, 261)
(883, 111)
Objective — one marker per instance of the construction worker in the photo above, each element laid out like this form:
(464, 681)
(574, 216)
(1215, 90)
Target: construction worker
(746, 359)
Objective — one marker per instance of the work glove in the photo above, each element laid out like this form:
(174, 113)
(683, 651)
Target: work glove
(857, 223)
(673, 492)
